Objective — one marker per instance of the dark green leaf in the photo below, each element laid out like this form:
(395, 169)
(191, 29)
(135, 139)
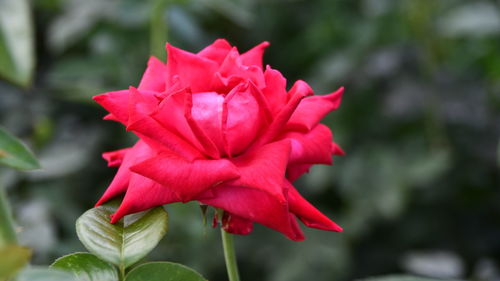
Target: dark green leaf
(15, 154)
(44, 274)
(125, 242)
(16, 41)
(86, 267)
(163, 271)
(12, 259)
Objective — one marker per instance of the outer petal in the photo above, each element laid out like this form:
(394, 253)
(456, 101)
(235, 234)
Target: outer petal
(336, 150)
(307, 213)
(142, 194)
(236, 225)
(295, 171)
(315, 147)
(139, 152)
(154, 77)
(257, 206)
(264, 169)
(254, 55)
(140, 104)
(275, 90)
(217, 51)
(115, 158)
(191, 69)
(311, 110)
(116, 103)
(155, 135)
(185, 178)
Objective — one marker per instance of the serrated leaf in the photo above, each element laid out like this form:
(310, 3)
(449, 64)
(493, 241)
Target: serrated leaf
(86, 267)
(14, 153)
(44, 274)
(12, 259)
(16, 42)
(163, 271)
(399, 278)
(125, 242)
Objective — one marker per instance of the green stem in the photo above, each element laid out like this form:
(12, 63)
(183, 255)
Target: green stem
(229, 255)
(158, 28)
(7, 230)
(122, 272)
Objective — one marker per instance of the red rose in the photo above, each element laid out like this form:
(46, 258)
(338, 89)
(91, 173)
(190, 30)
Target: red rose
(218, 128)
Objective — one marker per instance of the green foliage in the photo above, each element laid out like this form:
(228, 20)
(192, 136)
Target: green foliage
(86, 267)
(399, 278)
(15, 154)
(44, 274)
(16, 42)
(163, 271)
(125, 242)
(12, 259)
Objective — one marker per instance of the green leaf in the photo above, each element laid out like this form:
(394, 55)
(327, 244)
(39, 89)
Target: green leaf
(44, 274)
(399, 278)
(86, 267)
(125, 242)
(12, 259)
(163, 271)
(14, 153)
(16, 42)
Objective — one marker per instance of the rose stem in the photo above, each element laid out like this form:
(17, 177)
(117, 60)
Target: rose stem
(7, 231)
(229, 254)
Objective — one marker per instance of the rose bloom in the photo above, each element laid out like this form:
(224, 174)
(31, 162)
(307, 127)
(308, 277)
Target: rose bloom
(217, 128)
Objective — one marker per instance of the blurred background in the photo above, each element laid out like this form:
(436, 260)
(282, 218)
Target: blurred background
(417, 192)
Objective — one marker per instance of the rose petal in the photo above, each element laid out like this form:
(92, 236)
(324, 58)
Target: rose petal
(254, 55)
(299, 90)
(255, 205)
(242, 119)
(186, 178)
(175, 114)
(191, 69)
(207, 112)
(293, 172)
(140, 104)
(264, 169)
(139, 152)
(236, 225)
(275, 89)
(142, 194)
(307, 213)
(337, 150)
(233, 66)
(116, 103)
(314, 147)
(115, 158)
(154, 77)
(311, 110)
(217, 51)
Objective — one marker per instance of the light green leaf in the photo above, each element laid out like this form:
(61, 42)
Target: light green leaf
(14, 153)
(86, 267)
(12, 259)
(125, 242)
(44, 274)
(163, 271)
(16, 42)
(399, 278)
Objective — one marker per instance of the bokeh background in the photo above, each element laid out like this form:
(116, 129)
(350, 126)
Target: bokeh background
(417, 192)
